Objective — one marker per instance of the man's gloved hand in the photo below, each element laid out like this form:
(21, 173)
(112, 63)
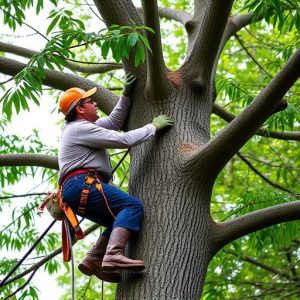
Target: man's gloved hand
(161, 122)
(128, 84)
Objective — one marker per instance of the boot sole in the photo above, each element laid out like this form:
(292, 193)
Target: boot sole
(116, 266)
(86, 271)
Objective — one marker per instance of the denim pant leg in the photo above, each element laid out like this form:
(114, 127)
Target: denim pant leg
(128, 210)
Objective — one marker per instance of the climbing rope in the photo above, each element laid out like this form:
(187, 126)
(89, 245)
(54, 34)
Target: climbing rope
(3, 282)
(67, 224)
(26, 254)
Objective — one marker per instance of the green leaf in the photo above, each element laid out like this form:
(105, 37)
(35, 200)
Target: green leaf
(145, 42)
(105, 49)
(139, 55)
(132, 39)
(52, 24)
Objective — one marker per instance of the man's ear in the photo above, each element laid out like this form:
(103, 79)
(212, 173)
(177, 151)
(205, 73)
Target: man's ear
(79, 109)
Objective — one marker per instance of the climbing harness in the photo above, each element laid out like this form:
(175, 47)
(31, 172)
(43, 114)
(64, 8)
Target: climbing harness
(62, 212)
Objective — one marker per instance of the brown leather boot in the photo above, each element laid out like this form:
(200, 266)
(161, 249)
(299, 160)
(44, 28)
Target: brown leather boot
(91, 264)
(114, 258)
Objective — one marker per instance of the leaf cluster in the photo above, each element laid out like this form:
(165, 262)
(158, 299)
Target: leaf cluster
(283, 14)
(14, 11)
(58, 51)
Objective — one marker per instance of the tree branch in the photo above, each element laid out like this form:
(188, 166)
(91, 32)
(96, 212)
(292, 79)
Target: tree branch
(227, 232)
(22, 286)
(80, 67)
(228, 116)
(234, 24)
(158, 85)
(201, 60)
(217, 152)
(48, 257)
(275, 185)
(29, 159)
(252, 57)
(259, 264)
(23, 195)
(171, 14)
(105, 99)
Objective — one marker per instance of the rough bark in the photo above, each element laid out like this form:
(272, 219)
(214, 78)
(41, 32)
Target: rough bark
(177, 221)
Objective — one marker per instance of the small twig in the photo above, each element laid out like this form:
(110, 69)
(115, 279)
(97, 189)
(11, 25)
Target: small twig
(275, 185)
(251, 56)
(22, 286)
(8, 80)
(86, 288)
(14, 221)
(90, 7)
(48, 257)
(39, 33)
(23, 195)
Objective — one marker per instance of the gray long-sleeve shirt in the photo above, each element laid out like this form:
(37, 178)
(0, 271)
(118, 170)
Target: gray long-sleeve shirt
(83, 144)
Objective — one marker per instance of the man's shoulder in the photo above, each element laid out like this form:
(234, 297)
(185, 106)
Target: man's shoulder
(79, 124)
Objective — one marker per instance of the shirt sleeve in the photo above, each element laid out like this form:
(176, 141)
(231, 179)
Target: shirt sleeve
(117, 117)
(91, 135)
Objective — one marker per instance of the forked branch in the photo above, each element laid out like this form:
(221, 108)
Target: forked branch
(158, 85)
(171, 14)
(218, 151)
(207, 41)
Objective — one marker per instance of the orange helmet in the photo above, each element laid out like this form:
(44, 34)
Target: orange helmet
(70, 98)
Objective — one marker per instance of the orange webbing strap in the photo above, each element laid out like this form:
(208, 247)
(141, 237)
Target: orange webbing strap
(72, 219)
(66, 247)
(100, 189)
(85, 193)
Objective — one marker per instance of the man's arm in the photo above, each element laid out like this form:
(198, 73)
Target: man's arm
(116, 119)
(101, 138)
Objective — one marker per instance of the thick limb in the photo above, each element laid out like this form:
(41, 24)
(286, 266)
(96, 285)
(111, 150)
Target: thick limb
(218, 151)
(62, 81)
(227, 232)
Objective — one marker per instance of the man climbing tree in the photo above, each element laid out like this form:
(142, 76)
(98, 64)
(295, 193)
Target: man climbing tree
(85, 172)
(174, 175)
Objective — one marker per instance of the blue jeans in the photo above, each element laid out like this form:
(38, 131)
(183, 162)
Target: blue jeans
(129, 211)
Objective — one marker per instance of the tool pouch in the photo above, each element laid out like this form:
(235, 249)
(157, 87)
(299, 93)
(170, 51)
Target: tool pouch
(52, 203)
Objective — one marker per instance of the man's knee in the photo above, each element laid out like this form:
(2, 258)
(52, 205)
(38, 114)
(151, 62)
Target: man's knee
(138, 206)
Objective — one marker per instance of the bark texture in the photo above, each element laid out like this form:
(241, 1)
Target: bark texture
(176, 236)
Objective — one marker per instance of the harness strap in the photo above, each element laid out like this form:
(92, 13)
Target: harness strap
(89, 181)
(70, 216)
(100, 189)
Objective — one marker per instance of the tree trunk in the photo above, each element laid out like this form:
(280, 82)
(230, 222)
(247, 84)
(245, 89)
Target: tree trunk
(175, 241)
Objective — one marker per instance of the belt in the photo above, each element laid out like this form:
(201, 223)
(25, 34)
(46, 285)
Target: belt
(103, 177)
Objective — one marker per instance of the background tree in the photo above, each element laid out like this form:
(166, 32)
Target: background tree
(205, 183)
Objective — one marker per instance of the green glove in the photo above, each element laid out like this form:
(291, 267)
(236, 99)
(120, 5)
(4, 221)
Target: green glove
(128, 84)
(161, 122)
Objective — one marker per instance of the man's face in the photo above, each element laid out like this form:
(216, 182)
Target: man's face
(88, 110)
